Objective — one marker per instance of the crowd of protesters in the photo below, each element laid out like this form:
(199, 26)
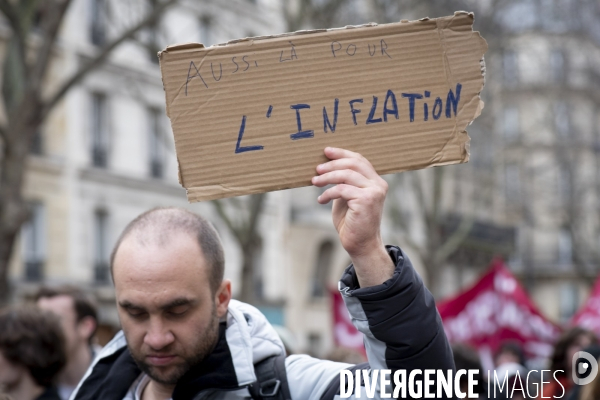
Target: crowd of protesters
(46, 347)
(512, 379)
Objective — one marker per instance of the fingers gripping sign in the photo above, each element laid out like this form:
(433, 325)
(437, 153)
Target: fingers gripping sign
(358, 197)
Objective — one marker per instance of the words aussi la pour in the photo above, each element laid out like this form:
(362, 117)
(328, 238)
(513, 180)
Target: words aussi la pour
(420, 105)
(244, 62)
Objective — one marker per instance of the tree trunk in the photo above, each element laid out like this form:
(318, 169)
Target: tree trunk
(247, 292)
(7, 240)
(13, 210)
(245, 231)
(22, 88)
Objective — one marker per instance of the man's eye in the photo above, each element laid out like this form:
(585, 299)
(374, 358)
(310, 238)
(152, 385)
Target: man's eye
(136, 313)
(178, 311)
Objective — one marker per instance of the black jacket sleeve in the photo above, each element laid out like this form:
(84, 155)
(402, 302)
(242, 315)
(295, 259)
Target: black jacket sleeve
(399, 319)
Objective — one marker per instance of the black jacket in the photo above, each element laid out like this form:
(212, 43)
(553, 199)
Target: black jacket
(49, 394)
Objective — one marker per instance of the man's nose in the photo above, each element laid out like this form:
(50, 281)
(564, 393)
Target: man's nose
(159, 335)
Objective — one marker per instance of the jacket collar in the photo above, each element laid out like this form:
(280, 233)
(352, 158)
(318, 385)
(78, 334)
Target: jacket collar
(214, 372)
(245, 338)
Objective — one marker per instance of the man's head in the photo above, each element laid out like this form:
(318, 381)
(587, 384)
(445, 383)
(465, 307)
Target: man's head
(167, 268)
(77, 313)
(31, 344)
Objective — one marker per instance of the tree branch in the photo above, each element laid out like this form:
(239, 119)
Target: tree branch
(218, 204)
(15, 64)
(394, 201)
(397, 216)
(419, 193)
(327, 12)
(438, 178)
(295, 18)
(104, 54)
(50, 26)
(256, 203)
(12, 16)
(454, 241)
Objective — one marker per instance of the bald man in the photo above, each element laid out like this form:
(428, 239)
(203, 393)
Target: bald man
(185, 338)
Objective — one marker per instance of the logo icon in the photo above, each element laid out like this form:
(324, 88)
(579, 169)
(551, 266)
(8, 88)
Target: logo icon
(585, 368)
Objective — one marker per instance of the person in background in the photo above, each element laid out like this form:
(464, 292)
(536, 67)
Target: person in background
(32, 352)
(78, 317)
(509, 352)
(466, 357)
(570, 342)
(587, 392)
(509, 362)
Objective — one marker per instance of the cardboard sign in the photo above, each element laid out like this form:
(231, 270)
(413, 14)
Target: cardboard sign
(254, 115)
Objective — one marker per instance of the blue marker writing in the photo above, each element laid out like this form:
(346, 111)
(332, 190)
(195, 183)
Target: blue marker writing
(326, 122)
(370, 119)
(239, 149)
(411, 103)
(300, 134)
(353, 110)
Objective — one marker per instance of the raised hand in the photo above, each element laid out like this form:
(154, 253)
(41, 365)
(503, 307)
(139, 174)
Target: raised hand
(358, 197)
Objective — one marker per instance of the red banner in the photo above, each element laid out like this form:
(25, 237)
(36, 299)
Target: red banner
(496, 309)
(344, 333)
(588, 316)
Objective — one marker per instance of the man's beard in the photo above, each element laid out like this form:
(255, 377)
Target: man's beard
(205, 345)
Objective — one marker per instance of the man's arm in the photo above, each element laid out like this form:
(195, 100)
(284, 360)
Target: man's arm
(386, 298)
(399, 319)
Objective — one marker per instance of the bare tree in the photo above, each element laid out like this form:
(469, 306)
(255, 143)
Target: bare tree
(241, 215)
(25, 102)
(501, 25)
(418, 211)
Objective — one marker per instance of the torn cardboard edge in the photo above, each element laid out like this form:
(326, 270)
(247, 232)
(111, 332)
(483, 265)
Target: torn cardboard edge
(197, 45)
(214, 160)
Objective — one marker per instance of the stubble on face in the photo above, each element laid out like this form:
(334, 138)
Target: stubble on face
(190, 357)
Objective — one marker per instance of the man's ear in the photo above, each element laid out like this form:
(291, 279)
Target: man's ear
(86, 327)
(222, 297)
